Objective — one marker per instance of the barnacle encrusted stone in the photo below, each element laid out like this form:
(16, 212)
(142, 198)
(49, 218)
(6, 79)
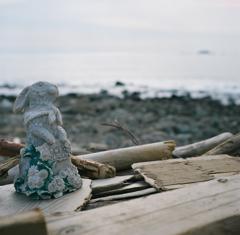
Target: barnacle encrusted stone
(45, 168)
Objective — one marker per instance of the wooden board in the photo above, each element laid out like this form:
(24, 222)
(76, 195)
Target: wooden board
(125, 189)
(125, 195)
(172, 212)
(102, 185)
(12, 202)
(170, 174)
(27, 223)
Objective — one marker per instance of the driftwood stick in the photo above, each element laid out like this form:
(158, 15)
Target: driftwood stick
(122, 159)
(120, 126)
(8, 164)
(11, 175)
(200, 148)
(129, 133)
(230, 147)
(10, 149)
(91, 169)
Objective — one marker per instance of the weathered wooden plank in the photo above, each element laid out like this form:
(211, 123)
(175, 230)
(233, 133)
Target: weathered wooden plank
(199, 148)
(122, 159)
(215, 176)
(102, 185)
(229, 225)
(27, 223)
(172, 212)
(12, 202)
(125, 195)
(125, 189)
(174, 172)
(137, 176)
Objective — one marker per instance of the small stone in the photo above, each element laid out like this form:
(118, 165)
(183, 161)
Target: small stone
(119, 83)
(222, 180)
(6, 104)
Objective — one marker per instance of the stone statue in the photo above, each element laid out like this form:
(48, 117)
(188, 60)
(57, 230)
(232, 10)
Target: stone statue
(45, 168)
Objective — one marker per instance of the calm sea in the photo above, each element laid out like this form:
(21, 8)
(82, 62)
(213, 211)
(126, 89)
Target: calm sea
(152, 74)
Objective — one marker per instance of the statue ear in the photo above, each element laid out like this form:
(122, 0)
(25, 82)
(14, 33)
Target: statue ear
(22, 100)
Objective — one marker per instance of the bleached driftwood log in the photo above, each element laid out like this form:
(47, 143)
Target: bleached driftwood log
(122, 159)
(230, 147)
(27, 223)
(200, 148)
(91, 169)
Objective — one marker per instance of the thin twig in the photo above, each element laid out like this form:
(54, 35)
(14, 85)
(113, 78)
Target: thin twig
(108, 124)
(120, 126)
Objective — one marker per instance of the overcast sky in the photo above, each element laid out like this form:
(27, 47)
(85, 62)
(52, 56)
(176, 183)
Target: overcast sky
(124, 25)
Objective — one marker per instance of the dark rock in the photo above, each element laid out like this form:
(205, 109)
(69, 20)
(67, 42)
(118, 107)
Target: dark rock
(119, 83)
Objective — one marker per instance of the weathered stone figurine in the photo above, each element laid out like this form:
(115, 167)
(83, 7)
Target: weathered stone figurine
(45, 168)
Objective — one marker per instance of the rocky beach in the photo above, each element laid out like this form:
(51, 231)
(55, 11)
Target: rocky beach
(183, 119)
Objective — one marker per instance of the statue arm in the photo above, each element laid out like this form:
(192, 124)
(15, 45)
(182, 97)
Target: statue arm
(44, 134)
(62, 135)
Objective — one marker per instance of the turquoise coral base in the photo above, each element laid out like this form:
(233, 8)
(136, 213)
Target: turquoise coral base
(40, 182)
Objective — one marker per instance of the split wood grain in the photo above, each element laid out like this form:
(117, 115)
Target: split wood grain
(170, 174)
(102, 185)
(132, 187)
(122, 159)
(168, 213)
(200, 148)
(138, 193)
(12, 202)
(93, 169)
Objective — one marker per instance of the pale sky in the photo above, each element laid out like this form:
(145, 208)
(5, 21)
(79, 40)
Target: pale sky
(32, 26)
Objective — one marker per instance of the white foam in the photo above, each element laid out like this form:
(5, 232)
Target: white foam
(151, 74)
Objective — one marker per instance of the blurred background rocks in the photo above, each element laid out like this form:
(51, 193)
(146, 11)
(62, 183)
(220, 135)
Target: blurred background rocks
(182, 119)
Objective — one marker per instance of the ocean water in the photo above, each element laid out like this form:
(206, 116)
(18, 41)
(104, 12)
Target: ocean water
(152, 74)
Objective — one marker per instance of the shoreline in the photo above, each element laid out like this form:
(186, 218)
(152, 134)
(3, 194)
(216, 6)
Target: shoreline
(123, 90)
(181, 118)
